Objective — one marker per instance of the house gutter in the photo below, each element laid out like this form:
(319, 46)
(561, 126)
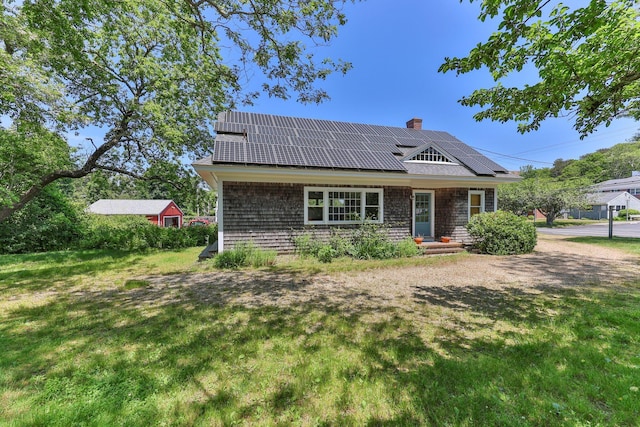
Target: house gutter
(258, 174)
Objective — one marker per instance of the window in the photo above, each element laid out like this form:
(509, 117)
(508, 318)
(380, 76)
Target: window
(342, 205)
(476, 202)
(431, 155)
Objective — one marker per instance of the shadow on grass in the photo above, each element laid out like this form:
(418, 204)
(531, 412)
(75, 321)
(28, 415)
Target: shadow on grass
(261, 347)
(38, 271)
(155, 356)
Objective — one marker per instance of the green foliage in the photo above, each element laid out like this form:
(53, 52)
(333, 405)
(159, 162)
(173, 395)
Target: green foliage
(307, 244)
(244, 254)
(136, 233)
(26, 153)
(622, 214)
(502, 233)
(80, 349)
(550, 196)
(150, 76)
(586, 58)
(369, 241)
(49, 222)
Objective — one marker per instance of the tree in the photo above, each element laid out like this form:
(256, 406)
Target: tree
(149, 76)
(586, 58)
(549, 196)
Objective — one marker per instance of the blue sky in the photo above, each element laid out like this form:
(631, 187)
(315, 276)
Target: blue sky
(396, 49)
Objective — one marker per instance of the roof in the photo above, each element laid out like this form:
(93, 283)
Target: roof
(619, 184)
(268, 140)
(604, 198)
(129, 207)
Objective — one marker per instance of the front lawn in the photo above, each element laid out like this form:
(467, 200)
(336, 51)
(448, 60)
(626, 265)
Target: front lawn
(87, 339)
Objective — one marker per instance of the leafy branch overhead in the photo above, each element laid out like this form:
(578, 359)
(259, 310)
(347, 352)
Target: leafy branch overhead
(587, 60)
(150, 75)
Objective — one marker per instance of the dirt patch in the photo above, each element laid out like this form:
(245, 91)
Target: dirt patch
(482, 282)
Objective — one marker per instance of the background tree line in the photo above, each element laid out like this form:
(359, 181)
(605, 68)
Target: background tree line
(566, 184)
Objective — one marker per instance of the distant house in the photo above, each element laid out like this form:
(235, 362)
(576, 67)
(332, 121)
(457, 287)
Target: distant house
(630, 185)
(278, 177)
(600, 203)
(164, 213)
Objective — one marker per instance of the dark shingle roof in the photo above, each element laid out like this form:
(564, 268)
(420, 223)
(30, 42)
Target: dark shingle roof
(263, 139)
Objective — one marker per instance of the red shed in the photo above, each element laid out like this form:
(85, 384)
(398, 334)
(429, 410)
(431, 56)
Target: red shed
(164, 213)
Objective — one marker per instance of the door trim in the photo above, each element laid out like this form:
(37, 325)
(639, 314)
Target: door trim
(431, 214)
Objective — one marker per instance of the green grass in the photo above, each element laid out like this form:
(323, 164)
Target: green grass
(541, 223)
(627, 244)
(78, 348)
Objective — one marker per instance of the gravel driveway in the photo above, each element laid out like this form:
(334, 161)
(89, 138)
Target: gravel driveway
(454, 282)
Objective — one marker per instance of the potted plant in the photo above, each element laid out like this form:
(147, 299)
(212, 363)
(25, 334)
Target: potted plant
(418, 239)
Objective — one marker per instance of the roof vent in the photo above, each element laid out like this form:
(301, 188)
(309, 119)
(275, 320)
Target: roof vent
(415, 123)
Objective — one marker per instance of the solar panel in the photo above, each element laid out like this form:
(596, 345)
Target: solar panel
(229, 152)
(269, 139)
(316, 156)
(280, 140)
(348, 136)
(288, 155)
(409, 142)
(260, 154)
(308, 142)
(348, 145)
(239, 128)
(272, 130)
(385, 148)
(310, 133)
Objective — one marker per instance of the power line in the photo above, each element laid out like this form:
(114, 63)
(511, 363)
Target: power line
(512, 157)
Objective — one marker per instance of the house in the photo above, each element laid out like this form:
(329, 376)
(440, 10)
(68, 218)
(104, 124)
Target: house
(600, 203)
(164, 213)
(278, 177)
(630, 185)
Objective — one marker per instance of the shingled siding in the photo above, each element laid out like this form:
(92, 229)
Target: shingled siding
(452, 211)
(271, 214)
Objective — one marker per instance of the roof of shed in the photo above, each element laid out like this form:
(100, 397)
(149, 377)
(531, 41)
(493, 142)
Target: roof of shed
(263, 139)
(129, 207)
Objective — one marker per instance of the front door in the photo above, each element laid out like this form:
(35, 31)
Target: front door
(422, 214)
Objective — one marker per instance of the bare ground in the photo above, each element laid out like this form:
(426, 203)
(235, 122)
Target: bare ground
(478, 282)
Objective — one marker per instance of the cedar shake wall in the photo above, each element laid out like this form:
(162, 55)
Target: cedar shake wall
(452, 211)
(271, 214)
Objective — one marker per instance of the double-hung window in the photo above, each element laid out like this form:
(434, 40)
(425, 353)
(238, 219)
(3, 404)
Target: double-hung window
(325, 205)
(476, 202)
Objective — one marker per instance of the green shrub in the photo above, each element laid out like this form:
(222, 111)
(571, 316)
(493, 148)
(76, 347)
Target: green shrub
(407, 248)
(136, 233)
(307, 245)
(327, 253)
(244, 255)
(341, 243)
(50, 222)
(622, 214)
(369, 241)
(502, 233)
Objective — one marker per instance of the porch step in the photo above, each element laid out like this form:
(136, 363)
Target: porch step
(432, 248)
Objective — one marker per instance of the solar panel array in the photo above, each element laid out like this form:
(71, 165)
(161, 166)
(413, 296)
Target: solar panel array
(253, 138)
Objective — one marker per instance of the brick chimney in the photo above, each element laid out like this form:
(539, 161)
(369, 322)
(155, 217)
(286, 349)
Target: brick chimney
(415, 124)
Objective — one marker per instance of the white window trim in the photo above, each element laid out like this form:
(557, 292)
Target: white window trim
(164, 220)
(432, 163)
(482, 201)
(325, 214)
